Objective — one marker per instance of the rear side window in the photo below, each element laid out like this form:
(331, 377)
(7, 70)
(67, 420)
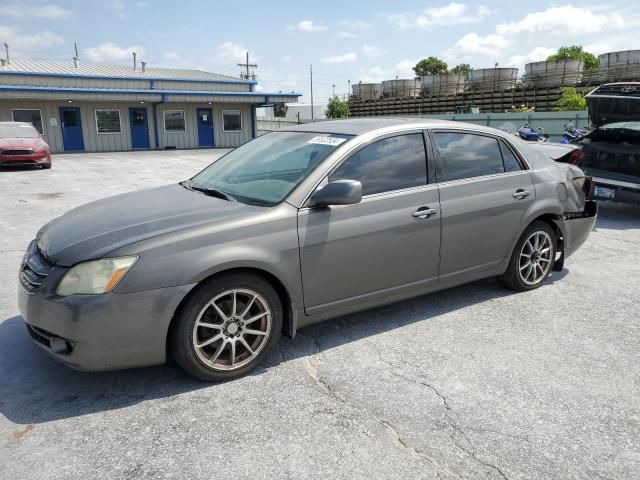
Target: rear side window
(511, 163)
(390, 164)
(466, 155)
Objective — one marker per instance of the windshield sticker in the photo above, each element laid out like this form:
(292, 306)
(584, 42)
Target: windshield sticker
(332, 141)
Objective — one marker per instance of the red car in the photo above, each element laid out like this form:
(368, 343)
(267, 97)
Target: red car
(21, 145)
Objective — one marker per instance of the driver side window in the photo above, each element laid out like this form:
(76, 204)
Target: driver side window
(390, 164)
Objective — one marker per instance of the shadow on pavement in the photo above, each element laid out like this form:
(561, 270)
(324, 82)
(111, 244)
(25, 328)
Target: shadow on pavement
(618, 216)
(35, 388)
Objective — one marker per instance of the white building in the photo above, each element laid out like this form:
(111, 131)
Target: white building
(109, 108)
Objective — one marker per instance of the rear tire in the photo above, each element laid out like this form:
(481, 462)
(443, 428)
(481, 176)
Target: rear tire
(532, 259)
(227, 327)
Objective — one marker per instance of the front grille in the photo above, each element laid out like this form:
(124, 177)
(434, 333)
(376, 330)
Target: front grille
(17, 152)
(34, 271)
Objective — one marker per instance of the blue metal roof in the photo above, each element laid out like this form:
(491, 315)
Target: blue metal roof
(126, 91)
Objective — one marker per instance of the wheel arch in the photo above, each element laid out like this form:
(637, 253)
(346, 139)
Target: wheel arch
(289, 321)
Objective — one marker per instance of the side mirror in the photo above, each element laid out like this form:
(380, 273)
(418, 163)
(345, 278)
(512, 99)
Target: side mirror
(340, 192)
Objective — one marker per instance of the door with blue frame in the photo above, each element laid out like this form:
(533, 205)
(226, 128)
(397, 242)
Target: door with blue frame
(71, 124)
(139, 127)
(205, 127)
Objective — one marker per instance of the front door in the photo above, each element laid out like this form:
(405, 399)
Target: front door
(205, 127)
(382, 246)
(484, 196)
(71, 124)
(139, 127)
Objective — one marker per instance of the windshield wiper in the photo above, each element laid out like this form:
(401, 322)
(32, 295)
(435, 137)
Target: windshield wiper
(209, 191)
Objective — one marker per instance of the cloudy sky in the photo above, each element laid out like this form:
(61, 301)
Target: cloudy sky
(348, 40)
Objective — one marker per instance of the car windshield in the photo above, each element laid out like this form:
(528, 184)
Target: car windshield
(18, 130)
(265, 170)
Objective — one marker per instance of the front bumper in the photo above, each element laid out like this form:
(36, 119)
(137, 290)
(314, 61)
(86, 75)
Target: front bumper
(100, 332)
(37, 158)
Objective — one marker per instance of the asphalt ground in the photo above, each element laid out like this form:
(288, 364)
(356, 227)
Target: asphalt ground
(475, 382)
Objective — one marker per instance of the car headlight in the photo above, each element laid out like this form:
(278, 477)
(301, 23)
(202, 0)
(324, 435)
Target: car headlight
(96, 276)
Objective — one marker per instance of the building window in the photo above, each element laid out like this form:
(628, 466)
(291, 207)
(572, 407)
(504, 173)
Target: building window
(108, 121)
(232, 120)
(33, 117)
(174, 121)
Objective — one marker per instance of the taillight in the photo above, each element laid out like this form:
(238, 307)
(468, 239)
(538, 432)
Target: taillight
(585, 184)
(575, 157)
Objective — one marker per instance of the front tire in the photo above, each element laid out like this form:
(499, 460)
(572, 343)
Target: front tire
(227, 327)
(532, 259)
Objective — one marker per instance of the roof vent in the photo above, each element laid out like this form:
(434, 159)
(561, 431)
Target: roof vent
(76, 62)
(134, 60)
(3, 62)
(144, 66)
(6, 47)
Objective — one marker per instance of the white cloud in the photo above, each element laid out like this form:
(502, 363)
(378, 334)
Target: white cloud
(110, 52)
(538, 54)
(404, 68)
(372, 51)
(472, 45)
(346, 35)
(347, 57)
(451, 14)
(37, 41)
(374, 75)
(229, 52)
(307, 26)
(50, 11)
(563, 20)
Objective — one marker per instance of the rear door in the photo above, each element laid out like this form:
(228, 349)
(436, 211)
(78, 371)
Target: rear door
(382, 245)
(485, 192)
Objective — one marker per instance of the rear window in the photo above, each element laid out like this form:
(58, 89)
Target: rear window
(467, 155)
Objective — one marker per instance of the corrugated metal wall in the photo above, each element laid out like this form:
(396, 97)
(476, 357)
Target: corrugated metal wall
(95, 142)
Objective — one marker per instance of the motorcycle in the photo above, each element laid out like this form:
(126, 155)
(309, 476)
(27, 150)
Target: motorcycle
(532, 135)
(572, 134)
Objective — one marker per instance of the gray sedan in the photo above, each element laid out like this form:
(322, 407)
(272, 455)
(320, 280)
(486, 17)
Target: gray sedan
(293, 228)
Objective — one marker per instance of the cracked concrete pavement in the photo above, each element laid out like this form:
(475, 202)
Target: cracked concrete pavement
(475, 382)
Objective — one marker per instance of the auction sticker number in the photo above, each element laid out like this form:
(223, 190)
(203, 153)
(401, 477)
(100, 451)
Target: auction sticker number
(332, 141)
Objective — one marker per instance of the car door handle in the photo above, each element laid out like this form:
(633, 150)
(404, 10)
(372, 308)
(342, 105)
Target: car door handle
(520, 194)
(424, 212)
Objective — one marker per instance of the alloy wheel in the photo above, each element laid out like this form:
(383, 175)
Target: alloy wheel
(232, 329)
(536, 257)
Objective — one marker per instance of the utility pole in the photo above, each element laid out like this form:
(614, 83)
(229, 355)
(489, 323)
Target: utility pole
(311, 78)
(247, 75)
(348, 89)
(334, 90)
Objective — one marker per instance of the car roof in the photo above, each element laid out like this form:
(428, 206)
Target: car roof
(358, 126)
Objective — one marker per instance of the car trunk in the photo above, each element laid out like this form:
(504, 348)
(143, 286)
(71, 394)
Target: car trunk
(612, 149)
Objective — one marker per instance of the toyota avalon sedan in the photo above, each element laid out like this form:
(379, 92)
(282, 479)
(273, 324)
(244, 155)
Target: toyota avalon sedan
(293, 228)
(22, 145)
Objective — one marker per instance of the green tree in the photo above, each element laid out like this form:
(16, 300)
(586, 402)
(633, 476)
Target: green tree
(337, 108)
(570, 100)
(461, 69)
(430, 66)
(576, 52)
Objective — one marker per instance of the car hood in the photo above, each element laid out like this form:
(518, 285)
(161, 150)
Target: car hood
(614, 103)
(19, 143)
(95, 229)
